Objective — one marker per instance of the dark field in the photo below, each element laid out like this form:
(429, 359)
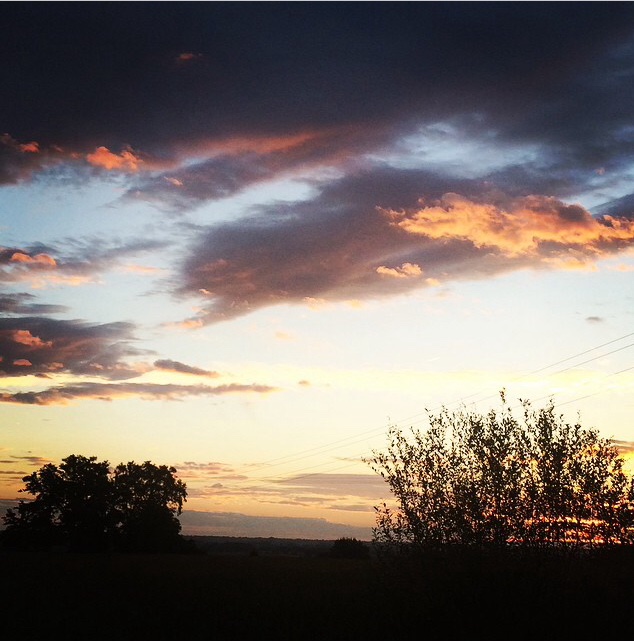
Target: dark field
(239, 596)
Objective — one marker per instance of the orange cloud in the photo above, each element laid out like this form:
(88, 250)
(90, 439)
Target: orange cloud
(25, 337)
(521, 227)
(39, 259)
(32, 147)
(405, 271)
(255, 144)
(21, 362)
(126, 161)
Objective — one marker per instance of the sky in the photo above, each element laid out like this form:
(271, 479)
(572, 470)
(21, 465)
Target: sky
(245, 239)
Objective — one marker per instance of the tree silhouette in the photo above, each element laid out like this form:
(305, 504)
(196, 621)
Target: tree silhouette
(71, 506)
(147, 501)
(349, 548)
(474, 479)
(83, 506)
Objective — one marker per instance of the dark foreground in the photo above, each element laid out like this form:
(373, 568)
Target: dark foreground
(189, 597)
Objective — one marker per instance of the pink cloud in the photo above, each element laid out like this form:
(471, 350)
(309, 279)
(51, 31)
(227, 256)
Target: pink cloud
(40, 259)
(33, 147)
(25, 337)
(126, 161)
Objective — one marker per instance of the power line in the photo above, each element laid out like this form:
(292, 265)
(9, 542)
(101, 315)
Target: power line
(562, 361)
(324, 469)
(271, 483)
(360, 437)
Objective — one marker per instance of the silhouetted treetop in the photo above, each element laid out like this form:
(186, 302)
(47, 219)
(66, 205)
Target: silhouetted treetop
(349, 548)
(491, 479)
(84, 506)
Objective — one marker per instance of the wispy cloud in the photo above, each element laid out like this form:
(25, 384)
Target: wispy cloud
(62, 395)
(236, 524)
(77, 262)
(178, 367)
(339, 484)
(22, 303)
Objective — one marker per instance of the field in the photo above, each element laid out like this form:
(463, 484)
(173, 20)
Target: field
(241, 596)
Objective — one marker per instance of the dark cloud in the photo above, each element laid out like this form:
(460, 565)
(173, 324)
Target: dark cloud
(22, 303)
(386, 232)
(179, 367)
(19, 161)
(623, 207)
(33, 460)
(208, 70)
(61, 395)
(41, 345)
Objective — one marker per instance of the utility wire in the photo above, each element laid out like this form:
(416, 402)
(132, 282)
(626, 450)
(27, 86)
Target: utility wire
(302, 473)
(354, 439)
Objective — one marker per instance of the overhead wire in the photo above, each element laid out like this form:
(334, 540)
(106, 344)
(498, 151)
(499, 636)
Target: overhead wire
(298, 474)
(374, 432)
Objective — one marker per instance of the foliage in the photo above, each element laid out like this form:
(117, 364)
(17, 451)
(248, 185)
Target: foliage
(84, 506)
(474, 479)
(146, 500)
(349, 548)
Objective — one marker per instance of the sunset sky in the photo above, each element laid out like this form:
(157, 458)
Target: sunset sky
(243, 239)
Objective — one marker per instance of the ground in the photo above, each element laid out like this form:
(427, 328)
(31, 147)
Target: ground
(245, 596)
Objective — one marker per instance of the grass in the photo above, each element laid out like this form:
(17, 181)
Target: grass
(177, 597)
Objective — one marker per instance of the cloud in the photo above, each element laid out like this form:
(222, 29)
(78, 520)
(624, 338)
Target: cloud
(20, 161)
(40, 259)
(371, 69)
(532, 226)
(224, 167)
(125, 161)
(179, 367)
(209, 471)
(625, 447)
(22, 303)
(74, 262)
(20, 264)
(405, 271)
(25, 337)
(236, 524)
(62, 395)
(340, 484)
(69, 346)
(386, 63)
(377, 232)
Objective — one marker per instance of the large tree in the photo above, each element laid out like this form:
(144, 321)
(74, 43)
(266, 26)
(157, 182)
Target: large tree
(147, 500)
(83, 505)
(491, 479)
